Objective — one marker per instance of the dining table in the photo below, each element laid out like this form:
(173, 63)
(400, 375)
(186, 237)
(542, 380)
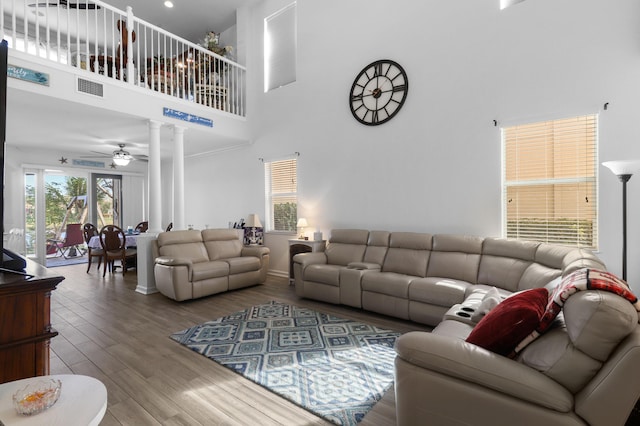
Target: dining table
(131, 240)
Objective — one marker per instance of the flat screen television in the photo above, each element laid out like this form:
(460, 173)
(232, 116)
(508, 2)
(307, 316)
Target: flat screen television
(10, 261)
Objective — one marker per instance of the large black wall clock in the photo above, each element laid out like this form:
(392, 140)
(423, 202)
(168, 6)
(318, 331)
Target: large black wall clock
(378, 92)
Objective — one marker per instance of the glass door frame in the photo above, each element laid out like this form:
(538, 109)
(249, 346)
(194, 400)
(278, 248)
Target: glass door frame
(117, 197)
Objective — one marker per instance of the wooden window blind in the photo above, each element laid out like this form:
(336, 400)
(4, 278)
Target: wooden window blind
(281, 190)
(550, 181)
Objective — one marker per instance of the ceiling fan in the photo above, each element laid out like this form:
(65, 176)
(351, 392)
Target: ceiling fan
(120, 157)
(66, 4)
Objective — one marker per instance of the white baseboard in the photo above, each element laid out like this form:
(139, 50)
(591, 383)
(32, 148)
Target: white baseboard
(279, 274)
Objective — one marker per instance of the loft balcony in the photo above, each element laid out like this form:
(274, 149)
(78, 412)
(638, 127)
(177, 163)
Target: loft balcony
(96, 38)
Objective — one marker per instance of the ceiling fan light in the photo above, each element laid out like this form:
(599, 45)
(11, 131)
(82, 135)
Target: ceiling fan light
(121, 157)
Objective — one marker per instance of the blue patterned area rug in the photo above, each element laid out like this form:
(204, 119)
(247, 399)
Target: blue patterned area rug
(334, 367)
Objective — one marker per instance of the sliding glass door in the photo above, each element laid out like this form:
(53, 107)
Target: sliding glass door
(106, 193)
(53, 200)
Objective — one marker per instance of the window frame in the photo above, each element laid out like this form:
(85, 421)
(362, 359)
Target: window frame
(549, 225)
(271, 196)
(280, 48)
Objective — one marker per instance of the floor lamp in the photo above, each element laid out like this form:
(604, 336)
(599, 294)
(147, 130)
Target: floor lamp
(624, 169)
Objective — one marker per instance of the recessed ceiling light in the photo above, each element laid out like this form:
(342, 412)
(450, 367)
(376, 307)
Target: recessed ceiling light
(168, 3)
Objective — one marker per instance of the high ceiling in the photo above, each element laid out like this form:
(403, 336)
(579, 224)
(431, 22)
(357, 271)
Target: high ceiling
(93, 129)
(189, 19)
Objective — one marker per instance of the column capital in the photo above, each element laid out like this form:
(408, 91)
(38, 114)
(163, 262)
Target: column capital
(155, 124)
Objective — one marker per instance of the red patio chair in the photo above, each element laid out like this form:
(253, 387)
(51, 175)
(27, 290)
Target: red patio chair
(72, 242)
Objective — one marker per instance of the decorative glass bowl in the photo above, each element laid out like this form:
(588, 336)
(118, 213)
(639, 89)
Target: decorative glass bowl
(37, 396)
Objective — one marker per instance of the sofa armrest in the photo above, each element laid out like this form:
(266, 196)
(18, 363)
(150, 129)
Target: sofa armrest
(362, 266)
(306, 259)
(257, 251)
(174, 261)
(464, 361)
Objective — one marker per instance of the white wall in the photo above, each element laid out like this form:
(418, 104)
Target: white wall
(436, 166)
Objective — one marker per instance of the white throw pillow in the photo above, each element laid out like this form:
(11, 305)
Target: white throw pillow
(490, 300)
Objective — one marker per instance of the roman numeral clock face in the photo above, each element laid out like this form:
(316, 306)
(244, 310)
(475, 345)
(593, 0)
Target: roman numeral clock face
(378, 92)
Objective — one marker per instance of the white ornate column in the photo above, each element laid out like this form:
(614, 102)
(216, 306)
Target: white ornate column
(178, 178)
(146, 242)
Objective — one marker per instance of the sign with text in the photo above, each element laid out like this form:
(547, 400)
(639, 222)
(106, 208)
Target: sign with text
(26, 74)
(168, 112)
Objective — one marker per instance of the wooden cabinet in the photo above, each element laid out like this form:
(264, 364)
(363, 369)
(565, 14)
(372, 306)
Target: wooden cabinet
(25, 322)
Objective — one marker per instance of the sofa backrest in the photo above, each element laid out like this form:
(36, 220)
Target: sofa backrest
(455, 256)
(377, 247)
(346, 246)
(504, 262)
(590, 327)
(408, 253)
(222, 243)
(182, 244)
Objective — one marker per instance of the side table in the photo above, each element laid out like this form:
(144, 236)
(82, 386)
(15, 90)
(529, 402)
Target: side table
(297, 245)
(83, 401)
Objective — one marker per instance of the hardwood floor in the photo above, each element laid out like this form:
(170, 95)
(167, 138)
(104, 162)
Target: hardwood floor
(108, 331)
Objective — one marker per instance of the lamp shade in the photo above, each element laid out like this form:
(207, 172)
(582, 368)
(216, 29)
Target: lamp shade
(623, 167)
(253, 221)
(302, 223)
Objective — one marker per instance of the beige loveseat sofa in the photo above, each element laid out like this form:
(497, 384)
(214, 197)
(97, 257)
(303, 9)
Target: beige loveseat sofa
(582, 371)
(192, 264)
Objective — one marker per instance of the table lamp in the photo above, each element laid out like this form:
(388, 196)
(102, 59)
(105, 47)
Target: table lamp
(302, 223)
(624, 169)
(253, 222)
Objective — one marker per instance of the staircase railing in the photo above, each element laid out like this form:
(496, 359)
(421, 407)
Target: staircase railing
(97, 38)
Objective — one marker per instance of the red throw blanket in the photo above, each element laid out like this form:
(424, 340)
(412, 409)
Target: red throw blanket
(586, 279)
(583, 279)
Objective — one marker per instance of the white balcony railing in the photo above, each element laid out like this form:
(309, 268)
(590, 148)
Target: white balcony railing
(97, 38)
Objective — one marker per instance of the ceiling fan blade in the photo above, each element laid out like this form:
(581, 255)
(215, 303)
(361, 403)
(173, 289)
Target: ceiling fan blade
(97, 155)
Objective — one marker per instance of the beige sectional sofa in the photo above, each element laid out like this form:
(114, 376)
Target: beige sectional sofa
(419, 276)
(192, 264)
(581, 371)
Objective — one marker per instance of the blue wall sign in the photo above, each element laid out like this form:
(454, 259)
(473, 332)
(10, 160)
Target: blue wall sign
(88, 163)
(28, 75)
(168, 112)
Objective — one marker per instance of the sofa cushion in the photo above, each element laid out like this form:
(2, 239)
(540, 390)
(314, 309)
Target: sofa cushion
(377, 247)
(182, 244)
(438, 291)
(510, 322)
(388, 283)
(346, 246)
(455, 256)
(324, 274)
(222, 243)
(408, 253)
(504, 262)
(211, 269)
(238, 265)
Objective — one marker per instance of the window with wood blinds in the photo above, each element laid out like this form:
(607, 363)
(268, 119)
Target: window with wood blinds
(550, 181)
(281, 190)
